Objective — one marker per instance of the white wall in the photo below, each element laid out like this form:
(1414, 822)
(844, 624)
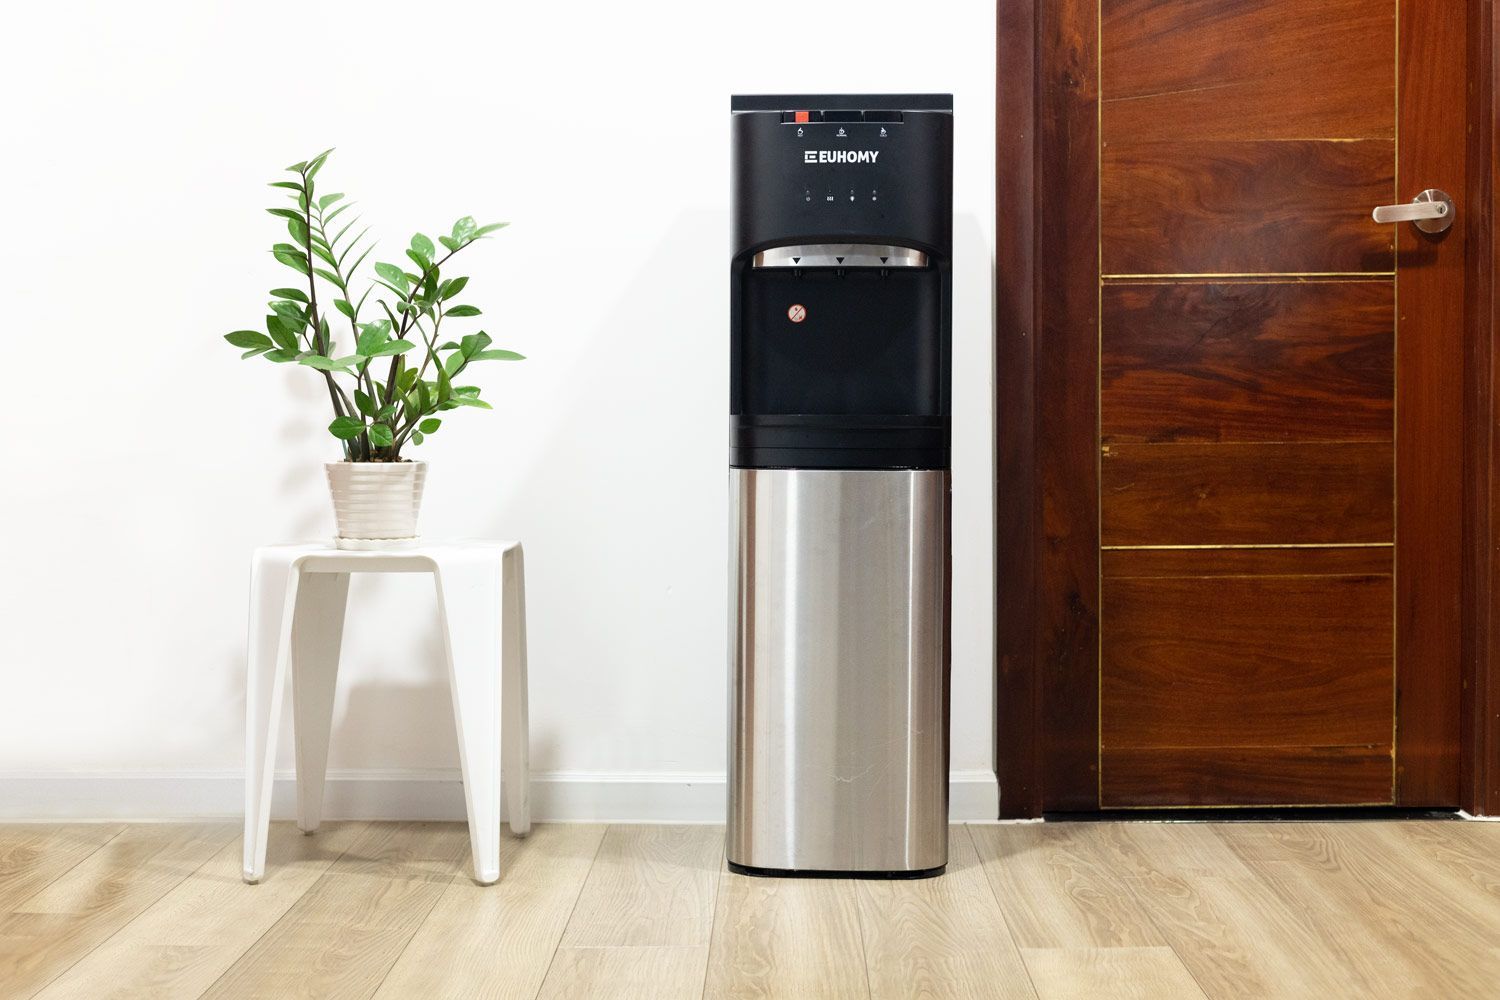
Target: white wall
(144, 461)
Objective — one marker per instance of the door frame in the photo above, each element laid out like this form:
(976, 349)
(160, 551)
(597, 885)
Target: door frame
(1046, 280)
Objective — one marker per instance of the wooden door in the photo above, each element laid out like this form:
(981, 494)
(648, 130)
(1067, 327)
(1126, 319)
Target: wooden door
(1248, 403)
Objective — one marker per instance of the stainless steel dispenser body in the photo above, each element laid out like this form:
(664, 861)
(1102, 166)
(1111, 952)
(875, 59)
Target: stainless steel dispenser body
(839, 665)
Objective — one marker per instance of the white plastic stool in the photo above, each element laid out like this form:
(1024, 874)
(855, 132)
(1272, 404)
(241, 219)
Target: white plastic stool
(297, 597)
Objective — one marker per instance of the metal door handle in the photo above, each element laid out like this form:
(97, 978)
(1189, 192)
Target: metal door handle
(1432, 211)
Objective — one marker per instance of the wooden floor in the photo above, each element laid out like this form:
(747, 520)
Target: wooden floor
(1357, 909)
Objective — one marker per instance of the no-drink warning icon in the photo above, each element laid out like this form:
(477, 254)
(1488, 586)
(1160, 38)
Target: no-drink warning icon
(796, 313)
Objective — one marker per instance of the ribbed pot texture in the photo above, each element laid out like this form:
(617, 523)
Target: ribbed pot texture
(375, 504)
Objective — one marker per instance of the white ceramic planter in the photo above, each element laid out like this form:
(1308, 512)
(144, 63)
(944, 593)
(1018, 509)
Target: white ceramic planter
(375, 504)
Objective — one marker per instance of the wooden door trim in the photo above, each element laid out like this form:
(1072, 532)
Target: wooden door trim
(1046, 284)
(1480, 746)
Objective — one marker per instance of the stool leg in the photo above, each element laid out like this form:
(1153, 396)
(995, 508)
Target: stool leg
(273, 588)
(317, 634)
(515, 754)
(469, 603)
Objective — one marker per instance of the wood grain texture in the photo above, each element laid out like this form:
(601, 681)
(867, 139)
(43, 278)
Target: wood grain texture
(1058, 887)
(1166, 777)
(786, 938)
(1361, 560)
(186, 940)
(635, 972)
(1250, 910)
(668, 874)
(1227, 207)
(35, 854)
(342, 936)
(499, 940)
(49, 931)
(1067, 295)
(1206, 69)
(1479, 729)
(1240, 494)
(1143, 973)
(939, 938)
(1246, 661)
(1017, 705)
(1397, 933)
(1248, 361)
(1429, 408)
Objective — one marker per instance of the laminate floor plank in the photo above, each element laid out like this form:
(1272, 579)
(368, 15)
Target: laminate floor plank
(34, 854)
(341, 938)
(185, 941)
(1395, 934)
(787, 938)
(1055, 889)
(941, 937)
(1235, 936)
(1109, 974)
(498, 940)
(649, 886)
(628, 972)
(49, 931)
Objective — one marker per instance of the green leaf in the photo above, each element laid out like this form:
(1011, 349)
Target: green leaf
(325, 364)
(372, 336)
(486, 230)
(253, 352)
(291, 313)
(328, 199)
(295, 294)
(466, 390)
(391, 347)
(365, 403)
(474, 343)
(281, 357)
(463, 229)
(283, 335)
(287, 184)
(423, 246)
(335, 214)
(287, 213)
(350, 361)
(249, 338)
(472, 401)
(381, 436)
(316, 163)
(449, 242)
(454, 363)
(298, 231)
(430, 424)
(386, 413)
(330, 277)
(416, 437)
(325, 256)
(295, 261)
(424, 398)
(405, 379)
(298, 167)
(452, 287)
(498, 355)
(343, 306)
(345, 428)
(394, 275)
(422, 262)
(460, 311)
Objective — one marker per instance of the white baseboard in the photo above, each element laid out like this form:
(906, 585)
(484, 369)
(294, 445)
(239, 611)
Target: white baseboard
(559, 796)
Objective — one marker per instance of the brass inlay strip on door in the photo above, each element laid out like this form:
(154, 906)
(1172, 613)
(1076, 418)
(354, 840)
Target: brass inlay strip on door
(1252, 545)
(1235, 275)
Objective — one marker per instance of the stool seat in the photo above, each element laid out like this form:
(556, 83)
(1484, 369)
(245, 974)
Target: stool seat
(298, 595)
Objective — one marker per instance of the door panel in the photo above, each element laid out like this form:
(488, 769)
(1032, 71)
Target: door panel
(1278, 462)
(1234, 207)
(1261, 69)
(1248, 361)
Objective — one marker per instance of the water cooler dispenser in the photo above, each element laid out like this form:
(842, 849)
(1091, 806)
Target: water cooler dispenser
(840, 336)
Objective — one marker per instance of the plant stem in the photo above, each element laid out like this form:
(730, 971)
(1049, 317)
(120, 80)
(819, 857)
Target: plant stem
(321, 342)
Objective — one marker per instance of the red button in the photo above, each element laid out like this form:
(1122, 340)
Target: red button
(800, 117)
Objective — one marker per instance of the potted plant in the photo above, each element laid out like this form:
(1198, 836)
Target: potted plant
(402, 367)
